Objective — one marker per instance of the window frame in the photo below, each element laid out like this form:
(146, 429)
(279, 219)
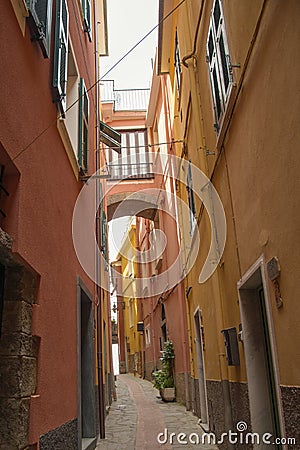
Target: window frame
(104, 248)
(191, 199)
(83, 127)
(147, 336)
(177, 62)
(219, 64)
(40, 31)
(131, 313)
(60, 56)
(86, 6)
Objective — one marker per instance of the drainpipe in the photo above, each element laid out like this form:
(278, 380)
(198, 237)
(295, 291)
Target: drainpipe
(189, 61)
(98, 234)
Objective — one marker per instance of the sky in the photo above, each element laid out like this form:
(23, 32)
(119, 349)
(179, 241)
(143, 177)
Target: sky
(128, 22)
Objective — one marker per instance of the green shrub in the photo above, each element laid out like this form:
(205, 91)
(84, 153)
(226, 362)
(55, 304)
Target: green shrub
(164, 378)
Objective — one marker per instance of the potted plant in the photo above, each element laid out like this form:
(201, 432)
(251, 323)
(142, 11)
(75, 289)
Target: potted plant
(163, 379)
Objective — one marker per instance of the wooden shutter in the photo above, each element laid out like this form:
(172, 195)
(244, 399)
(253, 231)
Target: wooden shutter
(219, 62)
(61, 55)
(39, 21)
(191, 198)
(221, 48)
(83, 128)
(87, 17)
(177, 62)
(104, 235)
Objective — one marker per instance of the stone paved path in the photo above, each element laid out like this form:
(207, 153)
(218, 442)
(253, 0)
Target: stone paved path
(138, 416)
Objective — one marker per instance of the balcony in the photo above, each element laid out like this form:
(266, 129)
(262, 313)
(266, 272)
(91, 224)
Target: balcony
(130, 171)
(124, 99)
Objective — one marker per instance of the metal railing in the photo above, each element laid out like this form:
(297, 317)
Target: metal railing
(132, 171)
(124, 99)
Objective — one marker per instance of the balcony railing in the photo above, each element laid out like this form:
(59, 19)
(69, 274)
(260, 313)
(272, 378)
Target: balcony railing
(124, 99)
(132, 171)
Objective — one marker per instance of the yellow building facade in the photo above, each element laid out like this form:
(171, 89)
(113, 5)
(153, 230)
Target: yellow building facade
(131, 313)
(234, 102)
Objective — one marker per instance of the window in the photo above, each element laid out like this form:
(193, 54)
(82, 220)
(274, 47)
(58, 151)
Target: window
(39, 21)
(104, 235)
(163, 327)
(61, 55)
(131, 313)
(191, 199)
(83, 128)
(177, 62)
(87, 17)
(219, 62)
(134, 162)
(147, 336)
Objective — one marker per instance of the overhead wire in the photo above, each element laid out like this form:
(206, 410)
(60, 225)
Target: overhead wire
(60, 116)
(178, 141)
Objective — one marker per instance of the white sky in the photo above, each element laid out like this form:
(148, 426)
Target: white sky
(128, 22)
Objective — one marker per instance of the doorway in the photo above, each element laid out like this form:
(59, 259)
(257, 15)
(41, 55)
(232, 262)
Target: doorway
(199, 339)
(86, 368)
(260, 354)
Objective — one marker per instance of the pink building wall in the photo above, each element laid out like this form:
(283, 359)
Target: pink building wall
(39, 218)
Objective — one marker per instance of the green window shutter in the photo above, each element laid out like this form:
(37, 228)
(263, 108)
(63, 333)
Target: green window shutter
(61, 55)
(104, 235)
(87, 17)
(83, 128)
(101, 195)
(39, 21)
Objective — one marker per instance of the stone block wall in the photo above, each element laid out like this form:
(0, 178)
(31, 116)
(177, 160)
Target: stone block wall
(180, 388)
(62, 438)
(18, 351)
(291, 409)
(236, 409)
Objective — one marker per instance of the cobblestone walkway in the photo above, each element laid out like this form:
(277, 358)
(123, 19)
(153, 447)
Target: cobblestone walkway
(138, 416)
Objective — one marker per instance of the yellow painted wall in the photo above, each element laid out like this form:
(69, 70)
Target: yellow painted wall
(130, 267)
(255, 169)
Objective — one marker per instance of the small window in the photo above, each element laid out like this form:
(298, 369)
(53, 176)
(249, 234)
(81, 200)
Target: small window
(147, 336)
(131, 313)
(83, 129)
(104, 235)
(219, 62)
(177, 62)
(191, 199)
(39, 21)
(87, 17)
(61, 55)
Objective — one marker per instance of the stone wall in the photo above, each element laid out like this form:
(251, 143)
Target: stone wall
(236, 408)
(62, 438)
(180, 388)
(291, 410)
(149, 369)
(18, 350)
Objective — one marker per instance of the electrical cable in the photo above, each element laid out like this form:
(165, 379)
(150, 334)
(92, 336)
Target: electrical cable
(178, 141)
(97, 81)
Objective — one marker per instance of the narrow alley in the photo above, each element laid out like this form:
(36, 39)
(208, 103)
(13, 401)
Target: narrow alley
(140, 420)
(149, 224)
